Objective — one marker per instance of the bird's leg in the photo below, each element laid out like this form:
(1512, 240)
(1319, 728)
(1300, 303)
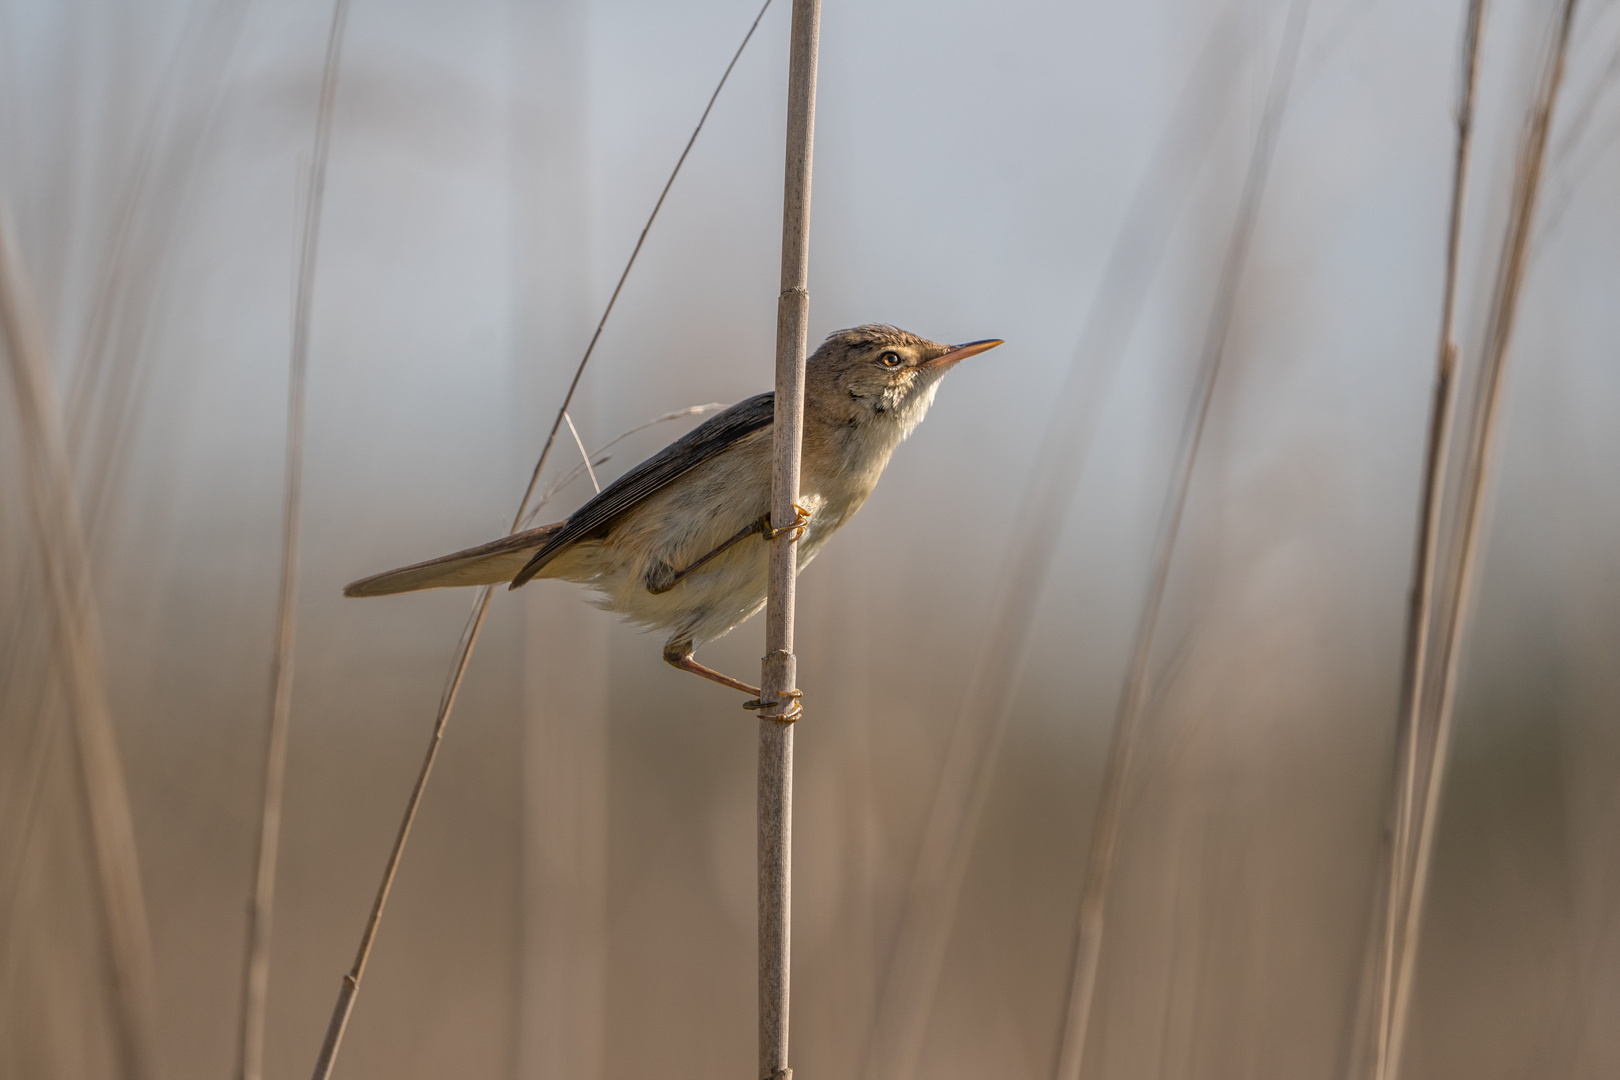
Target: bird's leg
(679, 654)
(673, 578)
(664, 578)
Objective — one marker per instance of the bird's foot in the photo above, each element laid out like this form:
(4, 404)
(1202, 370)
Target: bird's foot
(797, 528)
(794, 709)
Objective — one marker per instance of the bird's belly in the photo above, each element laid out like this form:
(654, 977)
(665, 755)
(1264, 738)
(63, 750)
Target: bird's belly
(666, 537)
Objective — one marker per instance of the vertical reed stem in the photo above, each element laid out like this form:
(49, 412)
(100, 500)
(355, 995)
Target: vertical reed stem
(778, 675)
(1397, 873)
(59, 531)
(256, 973)
(1432, 698)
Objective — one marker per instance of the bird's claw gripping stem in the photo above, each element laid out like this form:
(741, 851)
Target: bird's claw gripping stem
(679, 655)
(794, 711)
(797, 528)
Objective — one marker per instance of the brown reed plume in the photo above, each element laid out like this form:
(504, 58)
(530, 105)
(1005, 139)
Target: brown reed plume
(59, 535)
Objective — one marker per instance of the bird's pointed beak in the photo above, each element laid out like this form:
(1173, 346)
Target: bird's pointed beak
(961, 352)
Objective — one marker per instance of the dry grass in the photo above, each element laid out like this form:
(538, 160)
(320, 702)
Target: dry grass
(107, 393)
(261, 902)
(78, 659)
(1447, 577)
(1214, 821)
(1377, 998)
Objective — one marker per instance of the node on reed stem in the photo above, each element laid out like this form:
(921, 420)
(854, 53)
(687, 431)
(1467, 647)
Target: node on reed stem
(778, 677)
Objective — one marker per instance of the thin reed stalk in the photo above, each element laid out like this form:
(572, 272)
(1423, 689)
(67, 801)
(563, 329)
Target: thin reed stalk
(1578, 150)
(261, 903)
(108, 375)
(60, 537)
(1396, 874)
(350, 987)
(910, 983)
(1128, 721)
(112, 371)
(779, 670)
(584, 454)
(23, 810)
(596, 335)
(1432, 699)
(30, 714)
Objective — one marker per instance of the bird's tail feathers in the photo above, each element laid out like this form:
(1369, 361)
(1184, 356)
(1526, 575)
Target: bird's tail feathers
(486, 564)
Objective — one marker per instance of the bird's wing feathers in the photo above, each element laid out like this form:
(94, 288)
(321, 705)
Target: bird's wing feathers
(518, 557)
(485, 564)
(707, 440)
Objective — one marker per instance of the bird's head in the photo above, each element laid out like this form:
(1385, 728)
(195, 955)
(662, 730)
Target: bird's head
(881, 375)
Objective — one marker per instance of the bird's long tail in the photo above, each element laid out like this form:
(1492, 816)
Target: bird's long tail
(486, 564)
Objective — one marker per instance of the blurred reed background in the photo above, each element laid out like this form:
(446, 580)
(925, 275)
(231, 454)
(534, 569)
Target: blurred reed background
(578, 900)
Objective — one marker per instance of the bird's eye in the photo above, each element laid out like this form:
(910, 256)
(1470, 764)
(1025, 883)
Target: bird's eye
(890, 359)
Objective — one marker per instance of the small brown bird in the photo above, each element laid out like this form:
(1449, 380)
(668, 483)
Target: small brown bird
(664, 545)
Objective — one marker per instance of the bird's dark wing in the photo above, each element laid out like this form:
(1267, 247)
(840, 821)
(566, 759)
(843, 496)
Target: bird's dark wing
(707, 440)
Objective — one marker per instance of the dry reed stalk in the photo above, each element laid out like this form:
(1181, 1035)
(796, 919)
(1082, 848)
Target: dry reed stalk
(261, 902)
(100, 395)
(778, 679)
(613, 299)
(350, 987)
(1396, 874)
(917, 958)
(25, 812)
(595, 461)
(1578, 151)
(111, 372)
(60, 536)
(29, 717)
(560, 1006)
(1432, 698)
(584, 455)
(1128, 721)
